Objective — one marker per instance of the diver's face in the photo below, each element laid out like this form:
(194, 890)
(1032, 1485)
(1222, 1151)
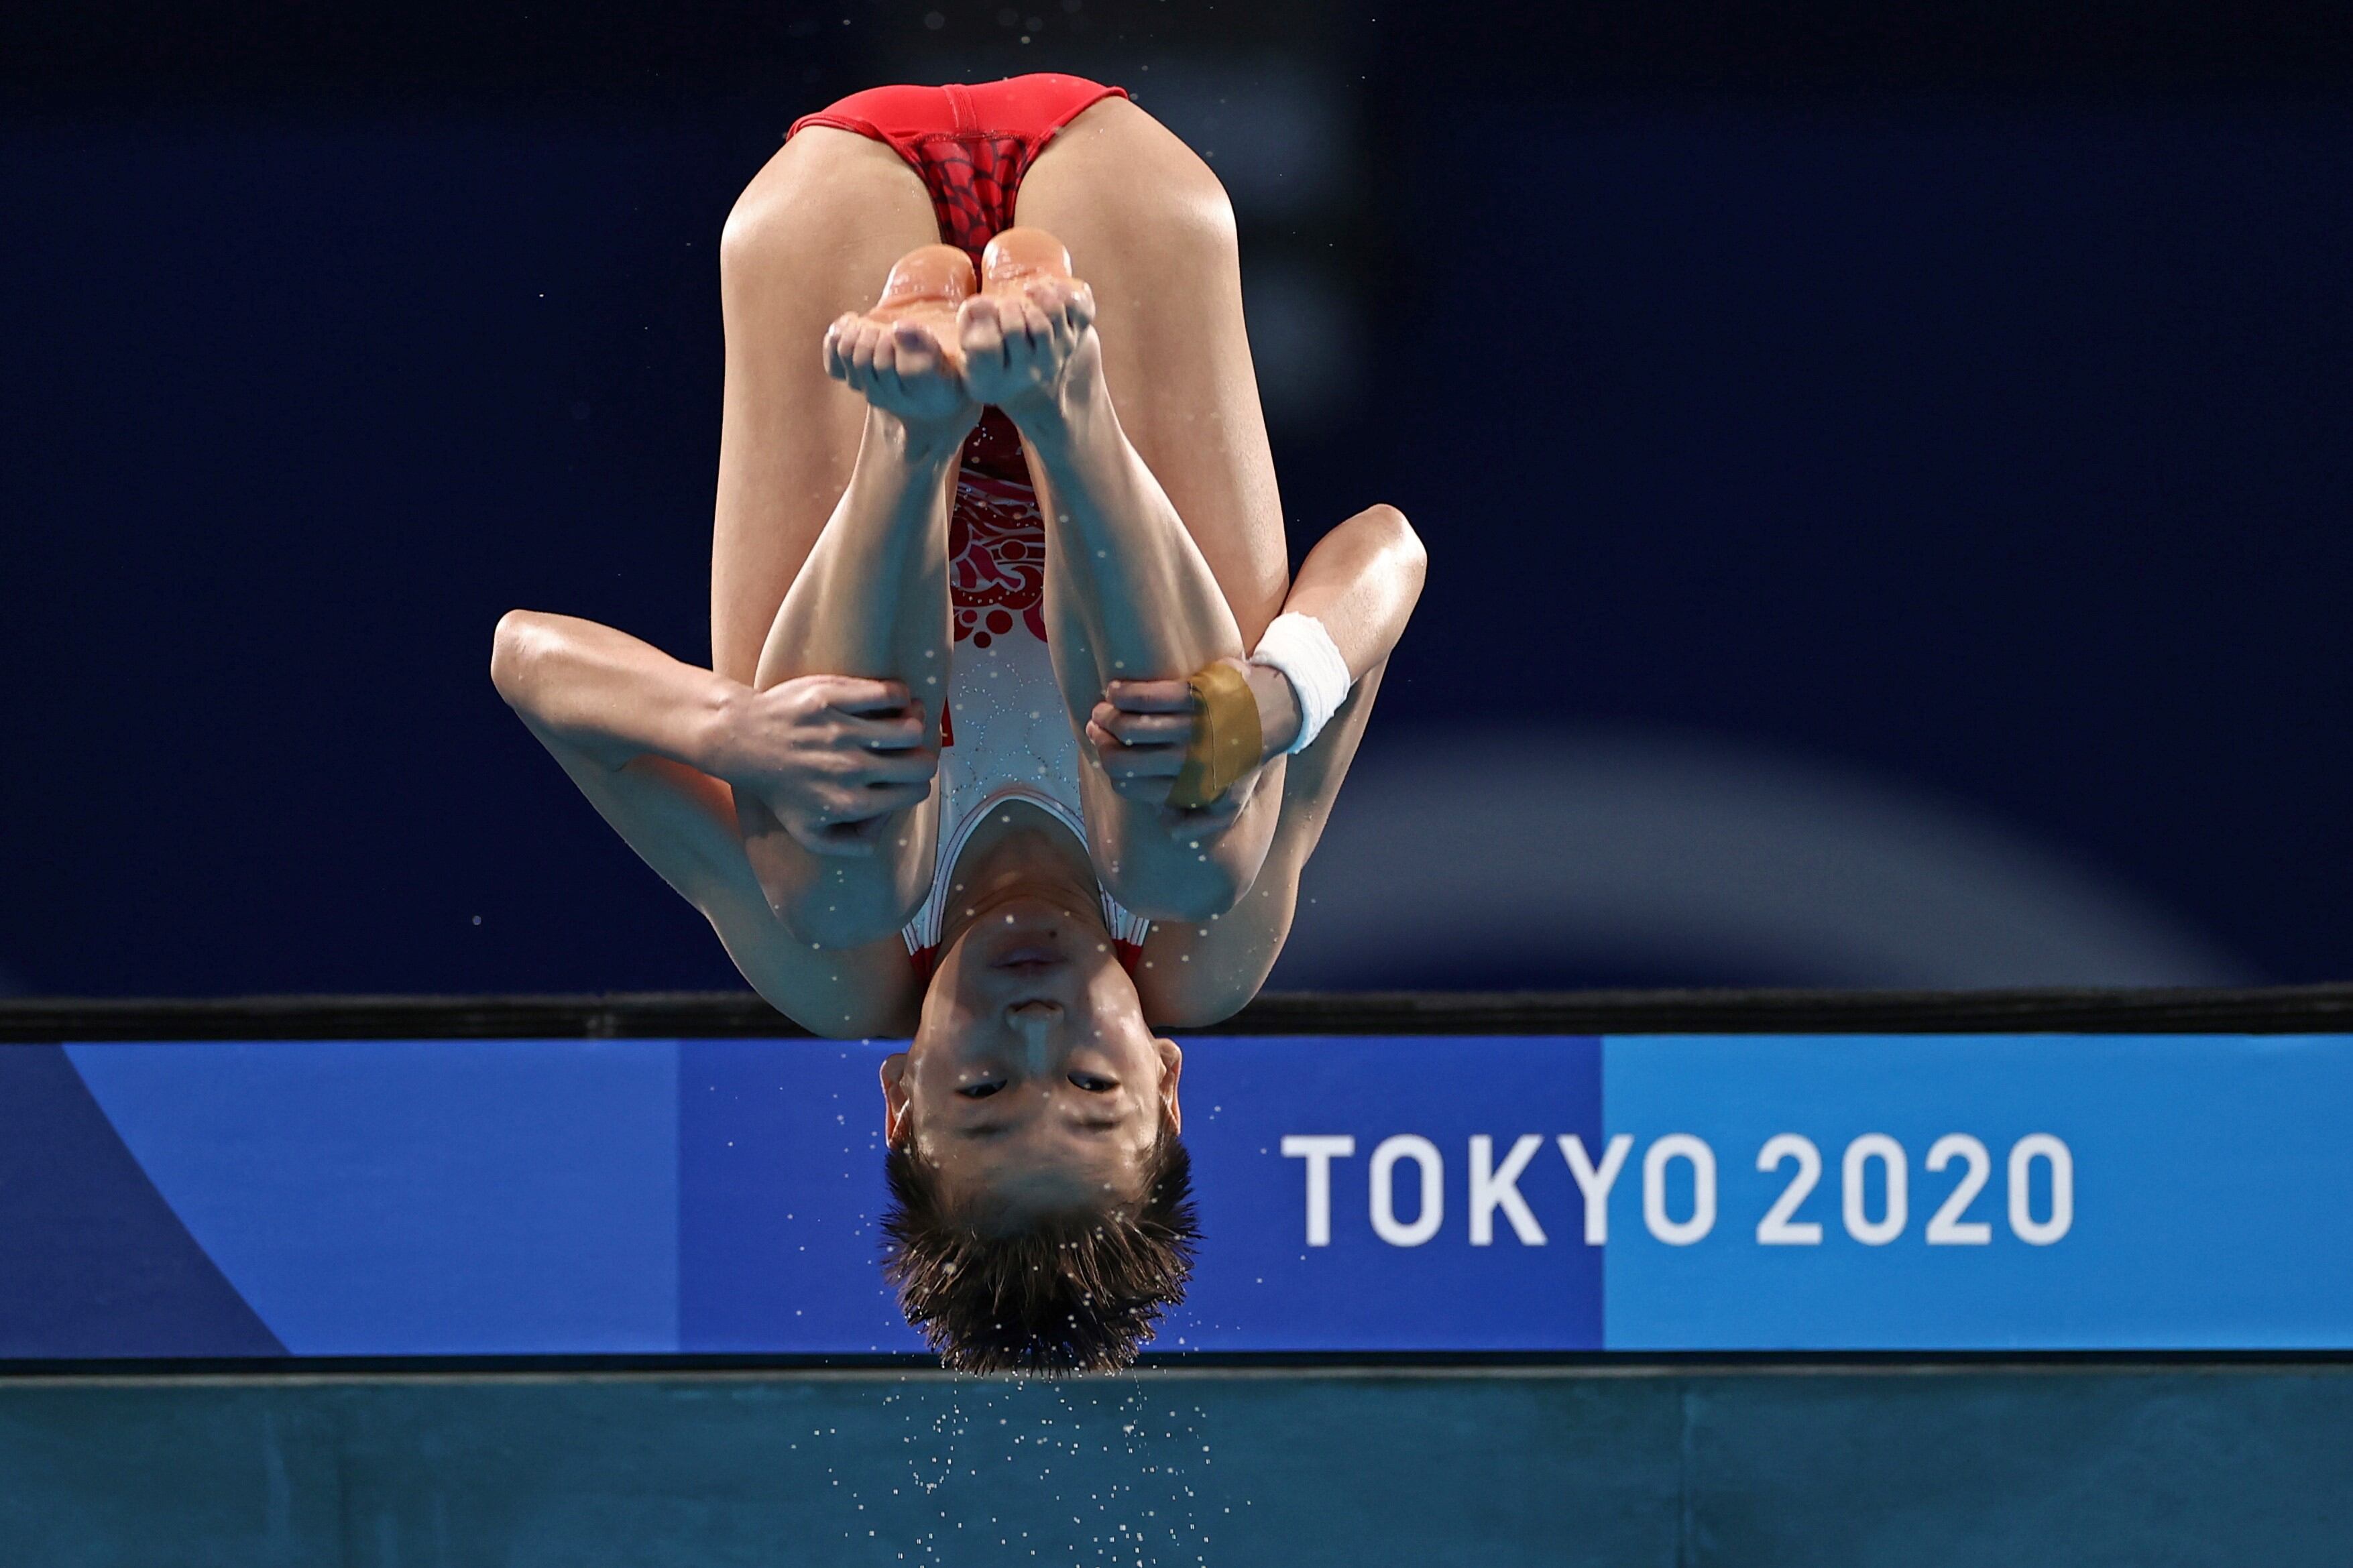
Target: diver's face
(1033, 1082)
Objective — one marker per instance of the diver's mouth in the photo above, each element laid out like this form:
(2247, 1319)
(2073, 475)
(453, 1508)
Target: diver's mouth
(1031, 956)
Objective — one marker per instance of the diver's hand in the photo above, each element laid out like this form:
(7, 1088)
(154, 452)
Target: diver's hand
(1139, 730)
(830, 756)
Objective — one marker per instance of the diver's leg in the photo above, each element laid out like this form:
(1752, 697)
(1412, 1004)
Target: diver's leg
(1150, 231)
(1129, 595)
(871, 597)
(1165, 537)
(829, 548)
(812, 237)
(1125, 579)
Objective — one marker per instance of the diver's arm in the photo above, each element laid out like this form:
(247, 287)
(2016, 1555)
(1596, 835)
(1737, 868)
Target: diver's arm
(1196, 972)
(606, 697)
(1362, 581)
(646, 737)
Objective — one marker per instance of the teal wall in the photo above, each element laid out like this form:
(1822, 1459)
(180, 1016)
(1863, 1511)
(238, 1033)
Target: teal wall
(1919, 1467)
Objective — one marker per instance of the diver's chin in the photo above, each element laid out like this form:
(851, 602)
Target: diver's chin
(1025, 932)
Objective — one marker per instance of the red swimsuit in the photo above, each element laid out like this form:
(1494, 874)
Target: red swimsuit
(972, 144)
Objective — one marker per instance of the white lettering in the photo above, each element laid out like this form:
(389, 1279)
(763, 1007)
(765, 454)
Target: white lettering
(1778, 1228)
(1947, 1227)
(1319, 1152)
(2023, 1155)
(1679, 1146)
(1596, 1184)
(1424, 1154)
(1876, 1146)
(1492, 1189)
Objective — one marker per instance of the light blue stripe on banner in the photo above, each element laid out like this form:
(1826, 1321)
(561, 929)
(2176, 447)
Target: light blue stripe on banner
(419, 1197)
(2211, 1177)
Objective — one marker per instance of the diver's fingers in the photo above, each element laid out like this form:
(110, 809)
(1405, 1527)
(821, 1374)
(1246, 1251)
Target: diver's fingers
(1150, 696)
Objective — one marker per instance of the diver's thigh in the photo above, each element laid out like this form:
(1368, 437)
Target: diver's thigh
(813, 235)
(1149, 228)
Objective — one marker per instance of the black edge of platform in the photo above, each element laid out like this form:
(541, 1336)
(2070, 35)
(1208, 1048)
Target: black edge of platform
(1689, 1362)
(719, 1015)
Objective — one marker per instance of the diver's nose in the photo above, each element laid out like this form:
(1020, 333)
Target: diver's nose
(1034, 1021)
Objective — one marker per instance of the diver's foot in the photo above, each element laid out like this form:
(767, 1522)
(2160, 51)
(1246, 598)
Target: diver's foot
(903, 356)
(1029, 337)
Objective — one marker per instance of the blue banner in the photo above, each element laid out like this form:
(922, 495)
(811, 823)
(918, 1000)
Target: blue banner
(571, 1197)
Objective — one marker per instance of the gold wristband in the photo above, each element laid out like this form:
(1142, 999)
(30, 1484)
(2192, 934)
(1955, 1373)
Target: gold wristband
(1225, 742)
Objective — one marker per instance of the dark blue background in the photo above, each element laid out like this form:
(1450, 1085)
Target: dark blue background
(1963, 407)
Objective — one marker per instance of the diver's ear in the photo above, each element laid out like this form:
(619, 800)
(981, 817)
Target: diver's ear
(1172, 1068)
(895, 1096)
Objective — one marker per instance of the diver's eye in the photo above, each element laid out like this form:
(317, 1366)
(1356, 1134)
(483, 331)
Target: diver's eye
(979, 1090)
(1094, 1083)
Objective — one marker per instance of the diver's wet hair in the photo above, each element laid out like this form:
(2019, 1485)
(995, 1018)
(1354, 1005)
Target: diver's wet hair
(1079, 1291)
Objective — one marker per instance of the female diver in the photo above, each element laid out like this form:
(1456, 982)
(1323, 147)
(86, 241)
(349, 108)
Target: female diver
(1016, 737)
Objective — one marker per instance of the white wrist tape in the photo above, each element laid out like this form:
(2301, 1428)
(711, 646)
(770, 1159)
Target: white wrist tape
(1300, 647)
